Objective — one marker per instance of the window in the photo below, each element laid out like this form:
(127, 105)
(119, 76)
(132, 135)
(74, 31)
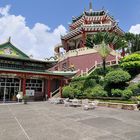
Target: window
(34, 84)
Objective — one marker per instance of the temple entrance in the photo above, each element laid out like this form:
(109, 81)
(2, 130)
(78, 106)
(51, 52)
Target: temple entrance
(9, 88)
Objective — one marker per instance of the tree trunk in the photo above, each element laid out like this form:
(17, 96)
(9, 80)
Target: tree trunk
(104, 68)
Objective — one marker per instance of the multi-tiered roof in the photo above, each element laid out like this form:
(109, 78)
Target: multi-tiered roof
(92, 21)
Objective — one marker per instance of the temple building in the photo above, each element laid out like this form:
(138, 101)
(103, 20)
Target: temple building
(21, 74)
(77, 55)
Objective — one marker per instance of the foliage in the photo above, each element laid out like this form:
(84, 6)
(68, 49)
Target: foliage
(116, 92)
(117, 77)
(98, 91)
(89, 42)
(134, 39)
(104, 50)
(131, 63)
(99, 71)
(135, 88)
(87, 93)
(127, 94)
(70, 92)
(89, 83)
(77, 84)
(67, 92)
(78, 79)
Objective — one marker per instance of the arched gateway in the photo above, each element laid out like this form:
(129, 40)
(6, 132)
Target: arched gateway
(19, 73)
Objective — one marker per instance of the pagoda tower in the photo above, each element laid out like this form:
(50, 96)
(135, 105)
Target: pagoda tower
(87, 24)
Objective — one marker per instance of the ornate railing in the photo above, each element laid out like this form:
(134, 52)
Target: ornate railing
(97, 65)
(55, 92)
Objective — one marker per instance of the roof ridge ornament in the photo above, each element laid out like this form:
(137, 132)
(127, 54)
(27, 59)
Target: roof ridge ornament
(90, 7)
(9, 39)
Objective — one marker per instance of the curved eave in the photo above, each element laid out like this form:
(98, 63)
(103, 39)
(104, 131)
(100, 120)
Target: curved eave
(66, 74)
(28, 59)
(63, 73)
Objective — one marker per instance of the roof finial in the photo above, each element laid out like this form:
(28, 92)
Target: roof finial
(90, 6)
(9, 39)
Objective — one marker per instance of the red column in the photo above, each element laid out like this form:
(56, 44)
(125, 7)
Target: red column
(24, 86)
(49, 88)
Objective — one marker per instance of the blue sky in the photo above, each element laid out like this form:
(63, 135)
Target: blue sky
(35, 26)
(56, 12)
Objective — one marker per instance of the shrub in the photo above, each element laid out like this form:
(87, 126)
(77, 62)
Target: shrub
(98, 91)
(68, 92)
(116, 92)
(89, 83)
(135, 89)
(127, 94)
(94, 76)
(78, 79)
(131, 63)
(77, 93)
(116, 80)
(88, 93)
(117, 77)
(77, 84)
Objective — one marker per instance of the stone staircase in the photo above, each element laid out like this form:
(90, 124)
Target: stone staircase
(136, 79)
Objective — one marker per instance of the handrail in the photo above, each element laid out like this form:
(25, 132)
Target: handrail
(55, 92)
(97, 65)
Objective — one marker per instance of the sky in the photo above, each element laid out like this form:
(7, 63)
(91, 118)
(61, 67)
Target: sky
(35, 26)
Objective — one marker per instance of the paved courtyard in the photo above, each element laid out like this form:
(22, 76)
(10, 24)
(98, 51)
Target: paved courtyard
(44, 121)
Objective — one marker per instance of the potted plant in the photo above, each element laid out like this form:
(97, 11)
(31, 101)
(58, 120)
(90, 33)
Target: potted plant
(25, 98)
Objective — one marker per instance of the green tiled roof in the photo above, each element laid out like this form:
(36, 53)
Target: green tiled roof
(11, 46)
(54, 73)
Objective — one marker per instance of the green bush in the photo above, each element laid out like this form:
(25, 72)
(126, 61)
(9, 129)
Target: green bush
(89, 83)
(87, 93)
(98, 91)
(116, 92)
(131, 63)
(68, 92)
(77, 84)
(94, 76)
(127, 94)
(77, 93)
(135, 89)
(116, 77)
(78, 79)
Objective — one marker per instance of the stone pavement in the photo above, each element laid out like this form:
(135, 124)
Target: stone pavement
(44, 121)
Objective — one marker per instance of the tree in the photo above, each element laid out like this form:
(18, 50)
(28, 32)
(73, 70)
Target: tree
(134, 40)
(104, 51)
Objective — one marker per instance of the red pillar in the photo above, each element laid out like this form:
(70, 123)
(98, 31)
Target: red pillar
(49, 88)
(123, 52)
(24, 86)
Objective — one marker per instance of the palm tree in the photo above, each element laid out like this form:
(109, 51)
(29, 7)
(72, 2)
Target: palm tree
(104, 50)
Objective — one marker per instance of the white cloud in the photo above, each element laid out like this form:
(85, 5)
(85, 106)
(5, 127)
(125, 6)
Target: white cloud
(5, 10)
(38, 41)
(135, 29)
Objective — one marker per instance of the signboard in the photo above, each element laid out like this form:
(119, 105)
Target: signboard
(30, 92)
(19, 95)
